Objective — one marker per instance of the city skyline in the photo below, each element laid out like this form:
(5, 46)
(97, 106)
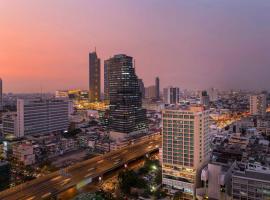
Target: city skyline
(195, 45)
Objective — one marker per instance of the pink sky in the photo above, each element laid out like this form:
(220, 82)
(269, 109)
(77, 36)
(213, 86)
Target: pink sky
(190, 44)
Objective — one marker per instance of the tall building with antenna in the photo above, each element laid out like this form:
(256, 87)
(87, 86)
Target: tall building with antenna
(94, 77)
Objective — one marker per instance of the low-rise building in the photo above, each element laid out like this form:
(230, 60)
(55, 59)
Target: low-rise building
(24, 153)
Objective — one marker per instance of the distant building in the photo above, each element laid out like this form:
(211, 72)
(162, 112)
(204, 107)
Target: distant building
(213, 94)
(126, 112)
(258, 104)
(204, 98)
(94, 77)
(185, 142)
(150, 92)
(5, 174)
(10, 124)
(157, 85)
(39, 116)
(142, 88)
(171, 95)
(1, 94)
(251, 181)
(106, 80)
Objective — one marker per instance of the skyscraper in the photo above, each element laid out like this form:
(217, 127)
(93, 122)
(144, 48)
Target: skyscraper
(185, 147)
(171, 95)
(142, 88)
(126, 112)
(1, 94)
(157, 88)
(94, 77)
(258, 104)
(106, 80)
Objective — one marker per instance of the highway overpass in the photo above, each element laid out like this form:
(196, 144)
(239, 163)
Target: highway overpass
(80, 174)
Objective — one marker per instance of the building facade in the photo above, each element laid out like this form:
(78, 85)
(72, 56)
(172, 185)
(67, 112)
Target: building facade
(39, 116)
(185, 146)
(126, 112)
(250, 182)
(94, 77)
(171, 95)
(10, 124)
(258, 104)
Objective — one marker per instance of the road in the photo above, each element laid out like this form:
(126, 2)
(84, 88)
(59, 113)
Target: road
(76, 175)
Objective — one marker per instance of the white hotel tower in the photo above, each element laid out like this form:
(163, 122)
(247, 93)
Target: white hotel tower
(185, 147)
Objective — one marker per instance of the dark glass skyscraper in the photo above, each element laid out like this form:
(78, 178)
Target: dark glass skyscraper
(94, 77)
(126, 112)
(157, 88)
(106, 80)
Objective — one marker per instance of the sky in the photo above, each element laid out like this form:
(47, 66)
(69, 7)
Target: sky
(193, 44)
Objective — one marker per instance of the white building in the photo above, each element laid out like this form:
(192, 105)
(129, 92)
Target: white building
(42, 116)
(171, 95)
(257, 104)
(185, 147)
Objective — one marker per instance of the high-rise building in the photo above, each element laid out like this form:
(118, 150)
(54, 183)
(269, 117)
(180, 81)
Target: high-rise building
(157, 88)
(171, 95)
(257, 104)
(213, 94)
(126, 112)
(150, 92)
(142, 89)
(106, 80)
(185, 147)
(1, 94)
(204, 98)
(37, 116)
(94, 77)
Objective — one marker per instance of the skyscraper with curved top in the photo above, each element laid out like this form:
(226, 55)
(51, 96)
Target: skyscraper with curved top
(126, 112)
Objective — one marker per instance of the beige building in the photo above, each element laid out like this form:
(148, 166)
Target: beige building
(257, 104)
(185, 147)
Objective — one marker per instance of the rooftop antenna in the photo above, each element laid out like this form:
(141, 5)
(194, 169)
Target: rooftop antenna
(134, 63)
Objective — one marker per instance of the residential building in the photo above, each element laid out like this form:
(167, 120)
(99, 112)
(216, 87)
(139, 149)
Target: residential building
(39, 116)
(24, 153)
(94, 77)
(185, 146)
(258, 104)
(204, 98)
(171, 95)
(126, 112)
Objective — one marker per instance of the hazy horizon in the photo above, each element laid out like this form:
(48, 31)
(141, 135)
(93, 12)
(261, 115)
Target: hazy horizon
(190, 44)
